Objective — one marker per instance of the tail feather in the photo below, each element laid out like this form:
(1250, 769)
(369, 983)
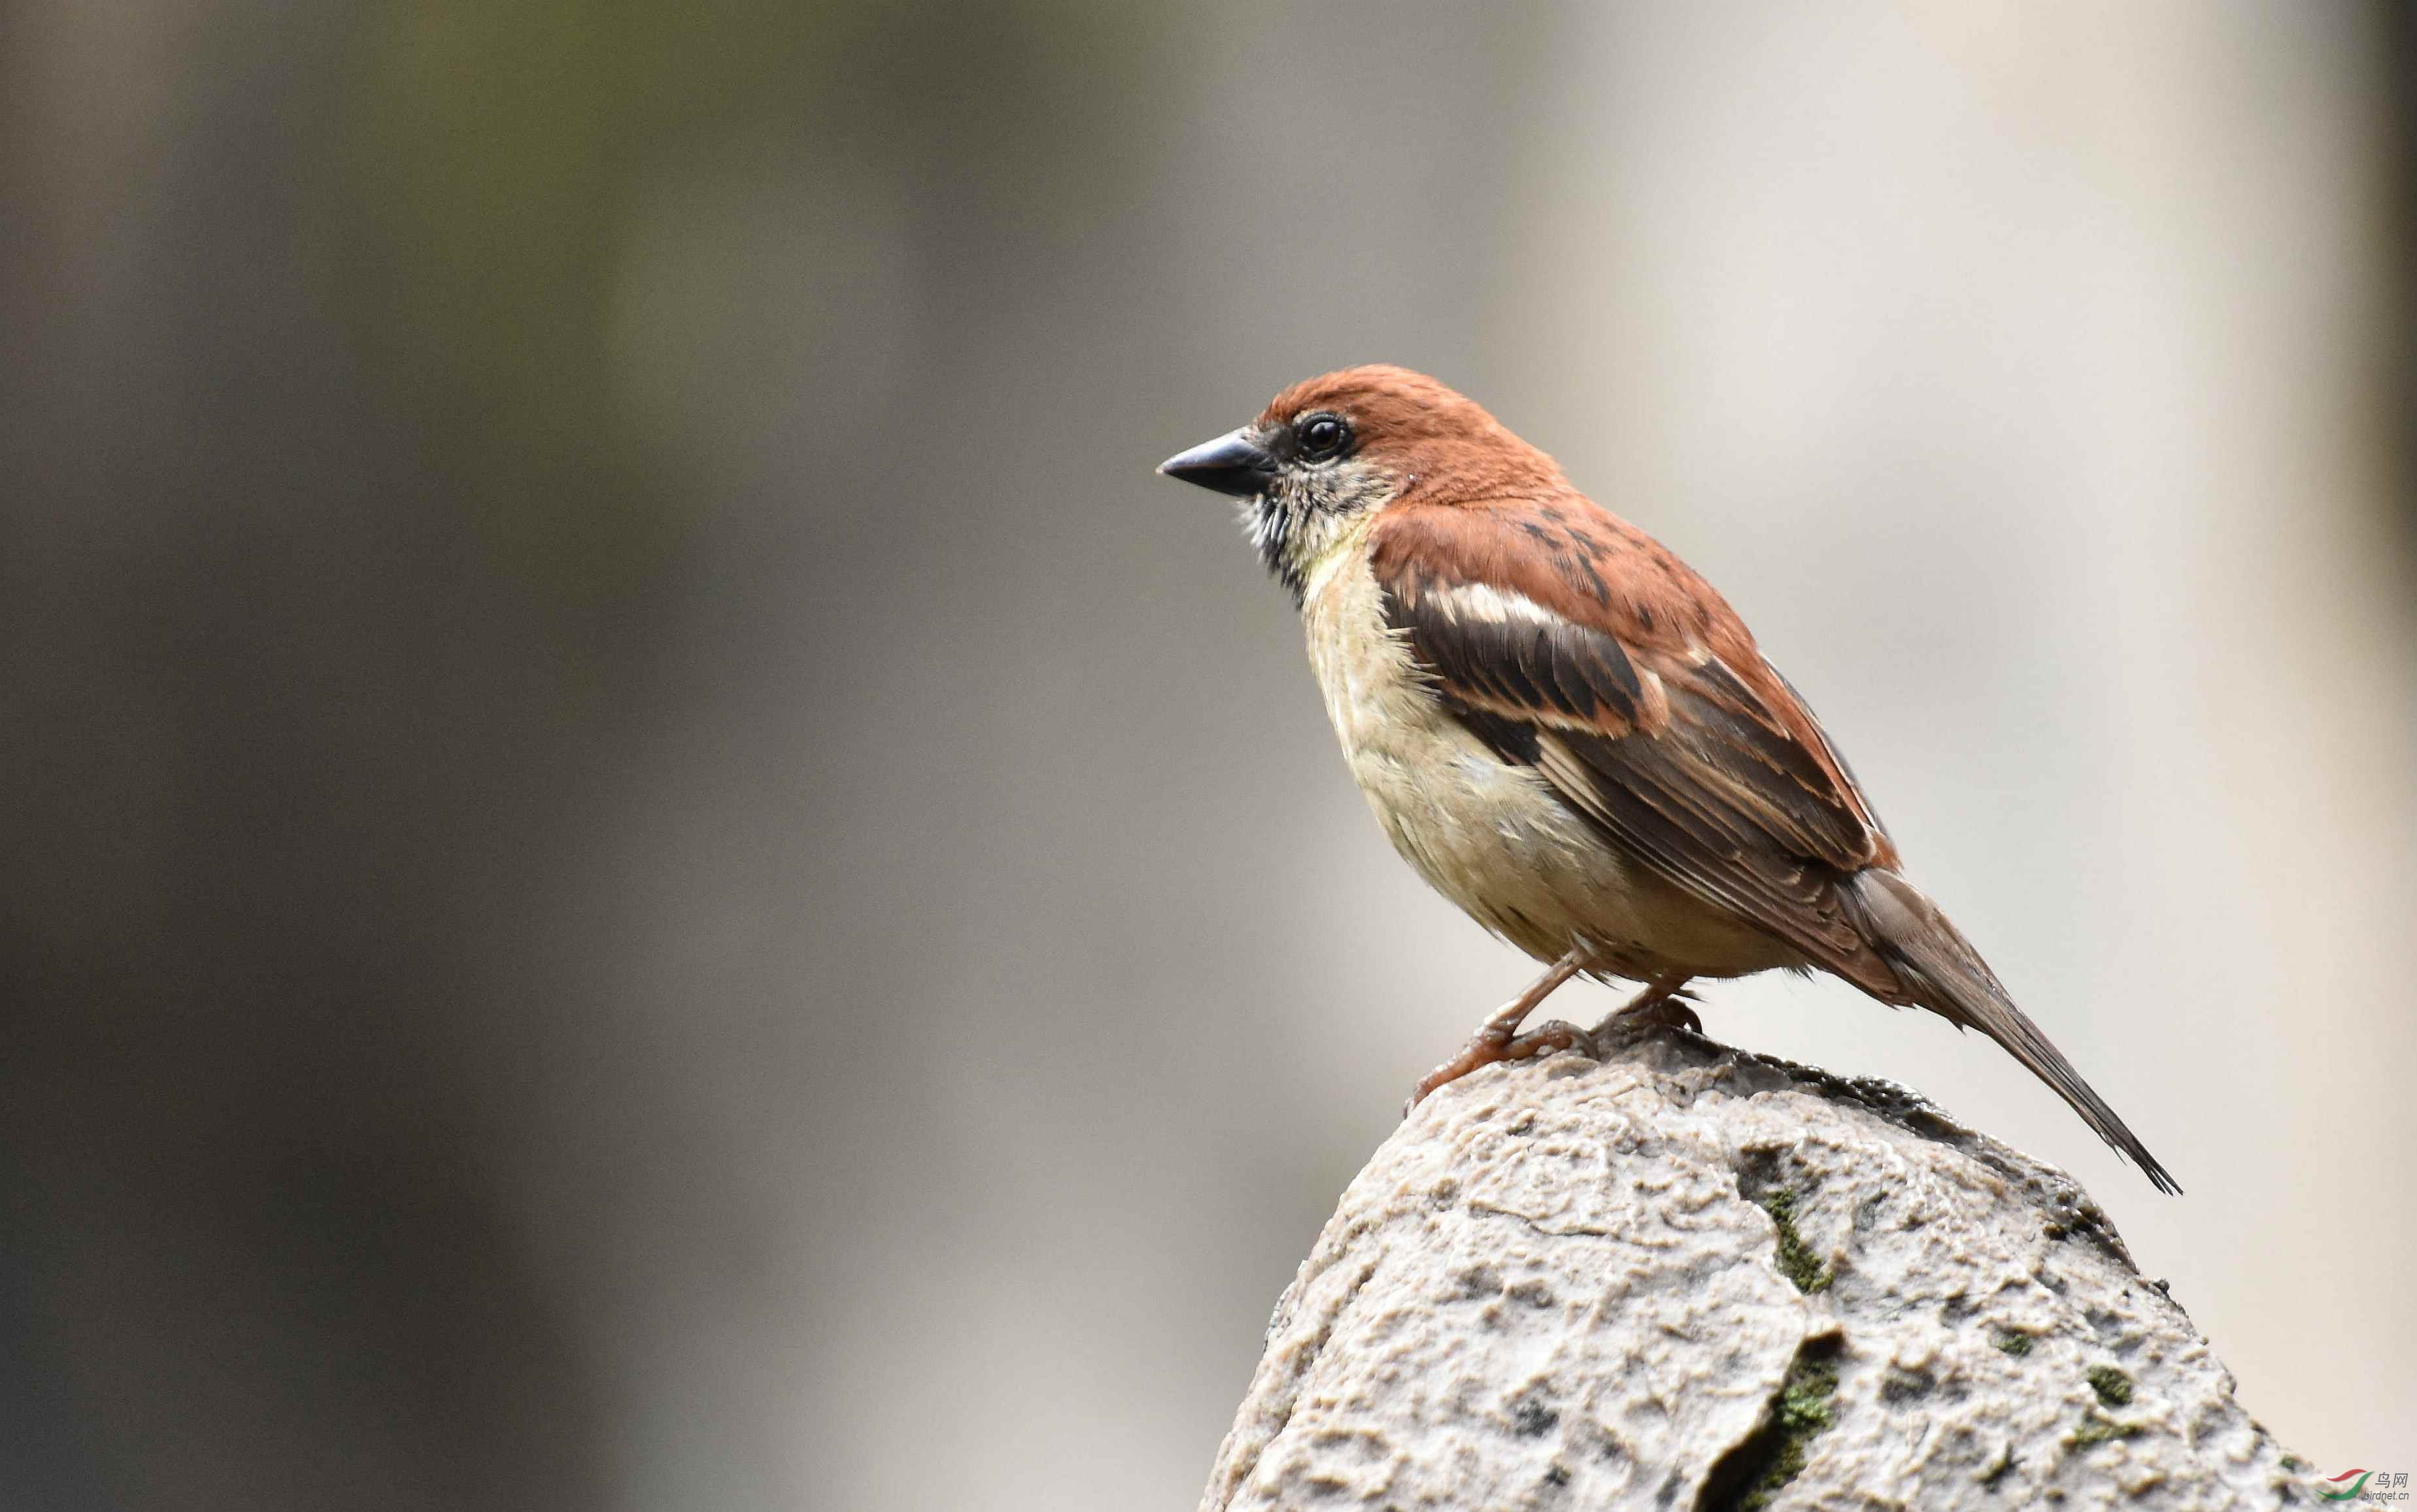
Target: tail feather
(1944, 974)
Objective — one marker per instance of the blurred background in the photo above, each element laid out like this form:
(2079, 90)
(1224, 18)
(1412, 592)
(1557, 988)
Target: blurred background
(645, 867)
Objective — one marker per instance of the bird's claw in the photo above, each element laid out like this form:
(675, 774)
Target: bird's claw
(1672, 1014)
(1491, 1044)
(1668, 1010)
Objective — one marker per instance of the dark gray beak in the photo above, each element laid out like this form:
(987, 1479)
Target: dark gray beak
(1233, 463)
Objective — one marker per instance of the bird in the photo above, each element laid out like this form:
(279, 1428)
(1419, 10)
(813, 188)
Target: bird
(1567, 732)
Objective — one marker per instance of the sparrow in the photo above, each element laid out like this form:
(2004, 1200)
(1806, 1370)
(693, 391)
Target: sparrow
(1570, 734)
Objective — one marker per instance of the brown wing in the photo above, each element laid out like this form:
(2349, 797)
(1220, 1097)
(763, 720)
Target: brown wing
(1573, 642)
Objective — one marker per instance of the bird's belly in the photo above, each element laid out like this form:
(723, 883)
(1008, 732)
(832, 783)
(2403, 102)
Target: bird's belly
(1490, 835)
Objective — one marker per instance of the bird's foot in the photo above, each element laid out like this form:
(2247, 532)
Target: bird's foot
(1498, 1037)
(1663, 1003)
(1670, 1013)
(1498, 1041)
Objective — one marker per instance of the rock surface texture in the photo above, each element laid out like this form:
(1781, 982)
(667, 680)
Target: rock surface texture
(1685, 1277)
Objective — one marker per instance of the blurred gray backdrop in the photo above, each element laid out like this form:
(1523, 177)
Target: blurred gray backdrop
(646, 869)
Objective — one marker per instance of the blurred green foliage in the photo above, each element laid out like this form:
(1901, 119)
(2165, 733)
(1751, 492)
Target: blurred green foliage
(491, 165)
(497, 152)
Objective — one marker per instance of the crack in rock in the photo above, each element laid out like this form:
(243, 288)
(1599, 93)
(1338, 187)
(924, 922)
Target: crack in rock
(1762, 1465)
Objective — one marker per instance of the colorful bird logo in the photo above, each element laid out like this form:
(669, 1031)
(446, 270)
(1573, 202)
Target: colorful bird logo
(2354, 1487)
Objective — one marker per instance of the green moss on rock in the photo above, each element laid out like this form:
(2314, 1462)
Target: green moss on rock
(2113, 1387)
(2097, 1429)
(1798, 1415)
(1796, 1262)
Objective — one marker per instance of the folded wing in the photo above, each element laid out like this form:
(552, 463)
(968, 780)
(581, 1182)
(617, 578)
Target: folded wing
(1579, 647)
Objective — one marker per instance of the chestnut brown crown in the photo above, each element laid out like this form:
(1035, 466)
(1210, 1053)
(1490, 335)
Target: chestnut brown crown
(1337, 448)
(1435, 444)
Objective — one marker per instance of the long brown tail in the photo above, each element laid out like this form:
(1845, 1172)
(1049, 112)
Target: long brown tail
(1944, 974)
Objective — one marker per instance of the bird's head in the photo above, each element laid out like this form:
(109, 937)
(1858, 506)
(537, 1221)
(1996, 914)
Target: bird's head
(1327, 453)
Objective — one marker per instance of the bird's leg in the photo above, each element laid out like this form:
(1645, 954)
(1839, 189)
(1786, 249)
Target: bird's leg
(1661, 1002)
(1498, 1038)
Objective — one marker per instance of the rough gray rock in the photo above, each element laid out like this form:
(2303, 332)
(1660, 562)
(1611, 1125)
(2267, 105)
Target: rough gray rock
(1688, 1277)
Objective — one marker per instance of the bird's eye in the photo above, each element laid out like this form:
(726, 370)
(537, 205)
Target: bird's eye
(1323, 436)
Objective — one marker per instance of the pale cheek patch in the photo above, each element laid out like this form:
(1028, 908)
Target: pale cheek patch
(1299, 526)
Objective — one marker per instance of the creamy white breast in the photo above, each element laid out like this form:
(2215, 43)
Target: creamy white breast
(1488, 835)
